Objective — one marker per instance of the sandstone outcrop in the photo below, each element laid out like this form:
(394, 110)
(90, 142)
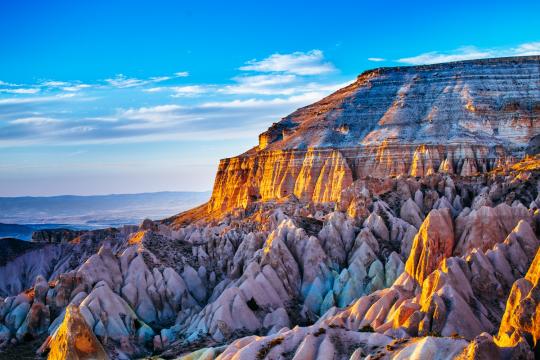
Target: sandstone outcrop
(433, 243)
(393, 219)
(74, 340)
(521, 318)
(167, 288)
(461, 118)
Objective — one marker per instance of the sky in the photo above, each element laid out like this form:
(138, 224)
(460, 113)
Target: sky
(100, 97)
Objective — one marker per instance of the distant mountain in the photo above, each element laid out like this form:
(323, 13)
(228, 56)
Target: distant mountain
(91, 211)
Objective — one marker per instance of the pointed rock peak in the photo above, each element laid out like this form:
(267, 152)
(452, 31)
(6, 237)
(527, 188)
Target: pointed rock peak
(73, 339)
(376, 224)
(411, 213)
(469, 167)
(433, 243)
(521, 318)
(446, 166)
(137, 238)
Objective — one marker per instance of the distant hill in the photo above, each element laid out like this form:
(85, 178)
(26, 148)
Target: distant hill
(90, 211)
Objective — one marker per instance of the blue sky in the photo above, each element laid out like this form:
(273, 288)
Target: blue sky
(105, 97)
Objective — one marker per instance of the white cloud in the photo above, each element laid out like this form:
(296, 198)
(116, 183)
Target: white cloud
(102, 118)
(180, 91)
(188, 90)
(211, 120)
(122, 81)
(159, 113)
(38, 121)
(276, 84)
(76, 87)
(158, 79)
(52, 83)
(376, 59)
(155, 89)
(20, 91)
(302, 99)
(532, 48)
(271, 84)
(470, 53)
(242, 107)
(64, 96)
(159, 109)
(40, 99)
(299, 63)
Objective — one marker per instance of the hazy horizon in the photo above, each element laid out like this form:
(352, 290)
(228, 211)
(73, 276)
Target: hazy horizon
(97, 210)
(105, 194)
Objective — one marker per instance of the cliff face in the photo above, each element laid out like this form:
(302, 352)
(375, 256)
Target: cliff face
(463, 118)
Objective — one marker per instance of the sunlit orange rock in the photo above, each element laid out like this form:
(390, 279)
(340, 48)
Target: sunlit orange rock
(389, 122)
(522, 315)
(433, 243)
(74, 340)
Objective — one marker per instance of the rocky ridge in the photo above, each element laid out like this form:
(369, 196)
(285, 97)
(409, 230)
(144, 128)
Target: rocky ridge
(420, 260)
(461, 118)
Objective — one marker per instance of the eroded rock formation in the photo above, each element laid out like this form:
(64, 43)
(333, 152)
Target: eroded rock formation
(397, 218)
(462, 118)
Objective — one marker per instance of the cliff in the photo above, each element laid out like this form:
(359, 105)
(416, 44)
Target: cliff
(463, 118)
(443, 262)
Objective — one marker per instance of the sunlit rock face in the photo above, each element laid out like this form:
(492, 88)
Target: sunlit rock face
(433, 243)
(73, 339)
(521, 320)
(462, 118)
(305, 256)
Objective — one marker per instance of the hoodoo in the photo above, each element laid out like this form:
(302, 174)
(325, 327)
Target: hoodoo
(398, 218)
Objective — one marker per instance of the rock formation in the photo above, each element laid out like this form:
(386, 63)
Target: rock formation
(74, 340)
(463, 118)
(397, 218)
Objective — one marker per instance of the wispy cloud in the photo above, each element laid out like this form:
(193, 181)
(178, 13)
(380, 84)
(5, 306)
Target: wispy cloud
(268, 84)
(470, 53)
(299, 63)
(64, 85)
(53, 83)
(159, 113)
(76, 87)
(376, 59)
(188, 90)
(35, 99)
(224, 119)
(122, 81)
(180, 91)
(261, 93)
(258, 103)
(38, 121)
(21, 91)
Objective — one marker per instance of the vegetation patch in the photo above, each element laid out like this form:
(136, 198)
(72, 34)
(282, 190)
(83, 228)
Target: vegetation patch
(368, 328)
(266, 349)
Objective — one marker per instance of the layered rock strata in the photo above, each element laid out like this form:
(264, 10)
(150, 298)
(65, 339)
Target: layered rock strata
(320, 260)
(462, 118)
